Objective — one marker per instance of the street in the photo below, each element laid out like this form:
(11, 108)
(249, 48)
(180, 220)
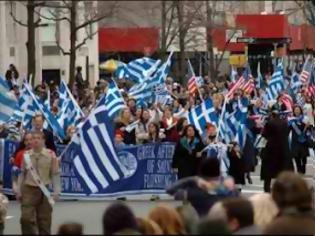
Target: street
(89, 213)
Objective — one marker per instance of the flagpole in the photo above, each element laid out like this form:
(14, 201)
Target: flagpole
(221, 117)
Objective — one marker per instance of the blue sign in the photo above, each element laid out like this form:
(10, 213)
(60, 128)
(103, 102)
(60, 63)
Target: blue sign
(147, 170)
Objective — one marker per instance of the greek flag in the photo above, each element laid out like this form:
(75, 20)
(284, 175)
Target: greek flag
(295, 82)
(113, 100)
(201, 115)
(233, 125)
(51, 120)
(276, 84)
(95, 160)
(8, 101)
(69, 111)
(143, 93)
(137, 70)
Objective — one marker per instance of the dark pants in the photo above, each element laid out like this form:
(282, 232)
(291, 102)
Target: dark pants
(300, 162)
(267, 185)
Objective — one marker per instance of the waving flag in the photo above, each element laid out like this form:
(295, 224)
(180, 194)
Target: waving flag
(95, 160)
(306, 71)
(137, 70)
(295, 82)
(287, 101)
(248, 84)
(143, 93)
(51, 120)
(201, 115)
(113, 100)
(276, 84)
(8, 101)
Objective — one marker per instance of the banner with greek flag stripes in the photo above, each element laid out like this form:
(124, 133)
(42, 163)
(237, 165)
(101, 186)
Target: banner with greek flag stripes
(95, 160)
(201, 115)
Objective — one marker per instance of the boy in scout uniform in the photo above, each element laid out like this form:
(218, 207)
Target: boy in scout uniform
(39, 169)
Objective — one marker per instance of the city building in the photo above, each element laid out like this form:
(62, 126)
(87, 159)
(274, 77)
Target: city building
(51, 64)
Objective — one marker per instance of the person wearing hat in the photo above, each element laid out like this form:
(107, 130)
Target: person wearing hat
(275, 156)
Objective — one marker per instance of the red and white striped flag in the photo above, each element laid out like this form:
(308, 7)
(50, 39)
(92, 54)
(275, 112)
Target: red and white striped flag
(192, 85)
(287, 101)
(249, 85)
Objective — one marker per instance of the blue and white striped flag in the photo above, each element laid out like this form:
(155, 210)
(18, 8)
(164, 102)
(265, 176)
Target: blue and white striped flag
(69, 111)
(201, 115)
(51, 120)
(137, 70)
(143, 93)
(113, 100)
(95, 160)
(8, 101)
(276, 84)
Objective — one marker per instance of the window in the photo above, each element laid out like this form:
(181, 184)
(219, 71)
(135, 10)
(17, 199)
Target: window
(12, 52)
(50, 50)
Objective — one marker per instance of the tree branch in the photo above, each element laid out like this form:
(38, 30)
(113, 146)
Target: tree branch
(84, 40)
(90, 22)
(54, 18)
(15, 19)
(61, 48)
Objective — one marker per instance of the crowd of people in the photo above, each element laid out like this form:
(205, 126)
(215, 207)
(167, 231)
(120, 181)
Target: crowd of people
(210, 182)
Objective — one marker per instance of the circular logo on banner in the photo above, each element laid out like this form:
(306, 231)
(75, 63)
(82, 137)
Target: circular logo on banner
(128, 163)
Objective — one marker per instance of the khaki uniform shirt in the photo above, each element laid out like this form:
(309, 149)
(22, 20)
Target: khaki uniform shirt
(45, 163)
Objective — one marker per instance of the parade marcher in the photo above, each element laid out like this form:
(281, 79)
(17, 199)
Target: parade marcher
(37, 125)
(275, 156)
(168, 123)
(17, 159)
(122, 123)
(154, 134)
(39, 169)
(187, 156)
(12, 76)
(298, 145)
(204, 190)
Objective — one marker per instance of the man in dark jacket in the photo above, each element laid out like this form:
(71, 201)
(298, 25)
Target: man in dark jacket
(38, 122)
(275, 156)
(202, 192)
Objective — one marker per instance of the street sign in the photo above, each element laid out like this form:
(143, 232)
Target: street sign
(245, 40)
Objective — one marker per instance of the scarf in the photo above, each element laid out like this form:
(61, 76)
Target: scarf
(189, 146)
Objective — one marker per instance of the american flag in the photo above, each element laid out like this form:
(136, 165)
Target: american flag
(192, 85)
(245, 83)
(306, 72)
(287, 100)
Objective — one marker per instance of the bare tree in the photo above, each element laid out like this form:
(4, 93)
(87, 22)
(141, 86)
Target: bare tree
(67, 11)
(308, 8)
(31, 25)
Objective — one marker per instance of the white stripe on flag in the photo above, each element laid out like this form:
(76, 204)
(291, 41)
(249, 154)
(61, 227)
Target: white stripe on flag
(92, 164)
(102, 154)
(196, 120)
(84, 175)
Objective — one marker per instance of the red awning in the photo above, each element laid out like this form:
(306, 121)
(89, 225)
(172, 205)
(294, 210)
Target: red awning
(128, 39)
(264, 26)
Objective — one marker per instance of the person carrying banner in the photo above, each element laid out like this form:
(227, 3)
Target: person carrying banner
(39, 169)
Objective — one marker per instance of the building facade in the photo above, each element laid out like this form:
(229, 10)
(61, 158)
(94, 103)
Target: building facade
(51, 64)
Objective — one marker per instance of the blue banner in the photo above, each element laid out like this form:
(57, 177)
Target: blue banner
(147, 170)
